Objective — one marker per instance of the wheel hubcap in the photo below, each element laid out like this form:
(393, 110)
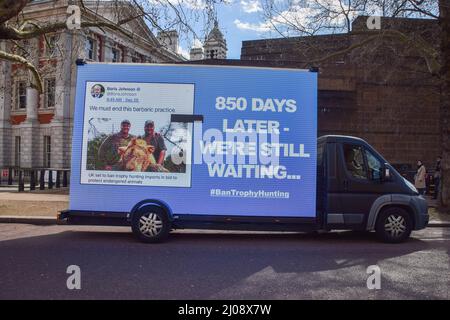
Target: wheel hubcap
(150, 224)
(395, 225)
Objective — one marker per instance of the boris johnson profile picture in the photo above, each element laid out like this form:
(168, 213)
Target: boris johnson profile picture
(97, 91)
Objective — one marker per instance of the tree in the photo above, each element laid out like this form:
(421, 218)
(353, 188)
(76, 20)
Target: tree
(160, 15)
(312, 17)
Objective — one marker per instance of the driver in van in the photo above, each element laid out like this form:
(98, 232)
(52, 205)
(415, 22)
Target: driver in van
(354, 162)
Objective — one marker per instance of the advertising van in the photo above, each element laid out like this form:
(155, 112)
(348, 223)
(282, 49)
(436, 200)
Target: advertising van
(163, 147)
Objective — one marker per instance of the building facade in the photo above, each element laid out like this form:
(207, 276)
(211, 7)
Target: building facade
(214, 47)
(381, 91)
(35, 129)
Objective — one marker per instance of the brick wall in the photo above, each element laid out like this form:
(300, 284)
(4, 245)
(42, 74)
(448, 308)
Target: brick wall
(380, 92)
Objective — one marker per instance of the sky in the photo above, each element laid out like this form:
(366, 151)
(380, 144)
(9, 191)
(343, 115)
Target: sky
(239, 20)
(235, 21)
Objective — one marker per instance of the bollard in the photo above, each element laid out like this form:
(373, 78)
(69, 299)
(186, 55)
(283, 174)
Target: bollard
(64, 178)
(21, 182)
(10, 176)
(50, 179)
(58, 182)
(42, 180)
(32, 180)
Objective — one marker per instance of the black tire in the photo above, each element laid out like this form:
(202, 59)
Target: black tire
(151, 224)
(394, 225)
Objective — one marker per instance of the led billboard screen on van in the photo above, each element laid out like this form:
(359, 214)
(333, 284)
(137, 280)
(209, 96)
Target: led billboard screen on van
(209, 140)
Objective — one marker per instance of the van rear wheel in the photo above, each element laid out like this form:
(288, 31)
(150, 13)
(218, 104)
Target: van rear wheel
(150, 224)
(394, 225)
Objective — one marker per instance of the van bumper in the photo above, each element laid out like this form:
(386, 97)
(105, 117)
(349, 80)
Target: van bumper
(421, 207)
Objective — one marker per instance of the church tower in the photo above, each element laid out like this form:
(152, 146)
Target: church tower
(215, 46)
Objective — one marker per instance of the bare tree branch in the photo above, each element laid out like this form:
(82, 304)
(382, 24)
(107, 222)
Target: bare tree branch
(16, 26)
(11, 8)
(11, 33)
(18, 59)
(429, 54)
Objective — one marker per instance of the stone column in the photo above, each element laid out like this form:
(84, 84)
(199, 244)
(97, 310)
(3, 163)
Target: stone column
(32, 104)
(128, 55)
(29, 129)
(33, 97)
(60, 124)
(78, 44)
(62, 78)
(29, 132)
(6, 139)
(108, 46)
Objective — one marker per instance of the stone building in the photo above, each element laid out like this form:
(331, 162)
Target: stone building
(381, 91)
(35, 129)
(214, 47)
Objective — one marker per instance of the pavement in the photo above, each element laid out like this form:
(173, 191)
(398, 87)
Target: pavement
(32, 207)
(34, 262)
(46, 196)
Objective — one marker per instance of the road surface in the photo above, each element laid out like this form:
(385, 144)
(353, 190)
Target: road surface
(219, 265)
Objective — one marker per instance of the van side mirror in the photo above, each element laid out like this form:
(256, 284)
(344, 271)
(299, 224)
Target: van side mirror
(385, 173)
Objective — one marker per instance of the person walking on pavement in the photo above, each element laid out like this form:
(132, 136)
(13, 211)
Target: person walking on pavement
(437, 177)
(419, 179)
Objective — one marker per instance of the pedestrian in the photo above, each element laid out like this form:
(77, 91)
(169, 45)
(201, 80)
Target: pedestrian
(437, 177)
(419, 178)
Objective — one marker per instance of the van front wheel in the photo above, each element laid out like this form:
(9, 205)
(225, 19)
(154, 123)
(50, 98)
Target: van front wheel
(394, 225)
(150, 224)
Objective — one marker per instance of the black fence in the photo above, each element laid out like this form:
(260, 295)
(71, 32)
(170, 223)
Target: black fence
(36, 178)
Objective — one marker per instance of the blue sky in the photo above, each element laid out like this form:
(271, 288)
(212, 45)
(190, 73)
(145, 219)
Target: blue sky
(233, 18)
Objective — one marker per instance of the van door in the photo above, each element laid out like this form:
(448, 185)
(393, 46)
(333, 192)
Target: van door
(360, 181)
(334, 214)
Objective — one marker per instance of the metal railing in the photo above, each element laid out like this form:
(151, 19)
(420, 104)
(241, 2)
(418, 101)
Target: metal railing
(38, 178)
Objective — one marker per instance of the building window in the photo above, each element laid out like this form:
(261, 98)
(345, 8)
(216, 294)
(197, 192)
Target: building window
(17, 151)
(211, 54)
(47, 151)
(21, 95)
(116, 55)
(49, 87)
(91, 49)
(137, 58)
